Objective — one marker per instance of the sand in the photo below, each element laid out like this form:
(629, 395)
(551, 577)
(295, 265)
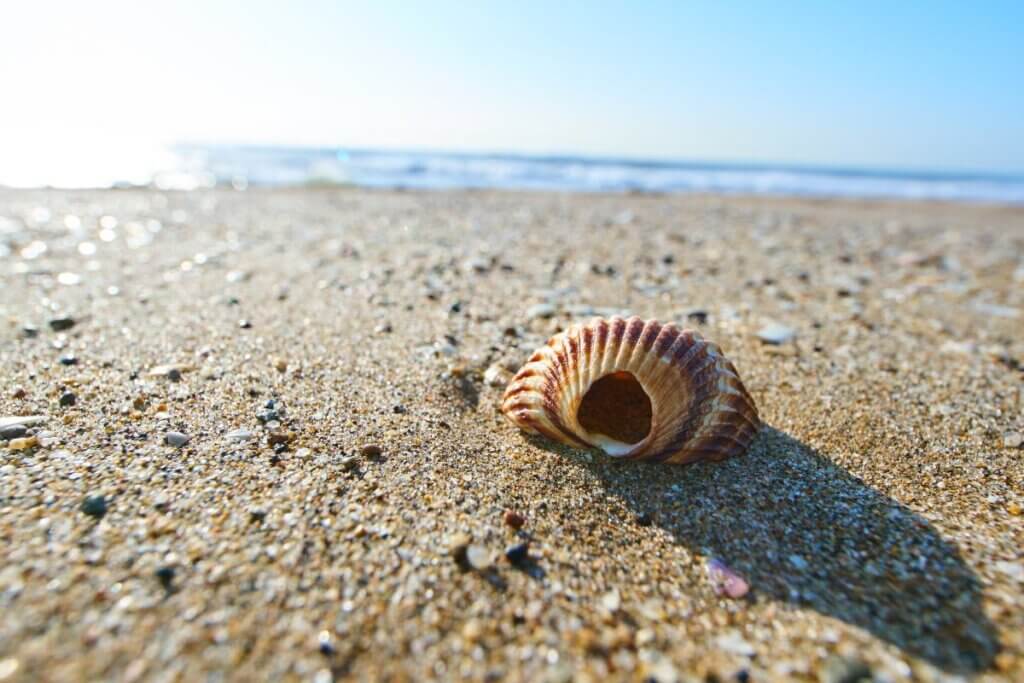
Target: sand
(877, 518)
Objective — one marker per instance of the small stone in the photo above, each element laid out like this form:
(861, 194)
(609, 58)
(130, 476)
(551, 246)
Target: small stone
(280, 364)
(383, 328)
(19, 392)
(458, 545)
(496, 375)
(324, 644)
(513, 519)
(724, 581)
(697, 316)
(349, 462)
(68, 399)
(68, 360)
(94, 506)
(24, 420)
(774, 333)
(257, 515)
(518, 553)
(540, 311)
(61, 324)
(172, 372)
(239, 435)
(29, 331)
(13, 432)
(165, 575)
(644, 519)
(611, 601)
(280, 438)
(245, 324)
(176, 439)
(1013, 508)
(23, 444)
(838, 669)
(798, 562)
(372, 451)
(1013, 440)
(478, 558)
(268, 416)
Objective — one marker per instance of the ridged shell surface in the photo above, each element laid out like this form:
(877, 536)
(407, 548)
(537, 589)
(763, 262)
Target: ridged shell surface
(635, 389)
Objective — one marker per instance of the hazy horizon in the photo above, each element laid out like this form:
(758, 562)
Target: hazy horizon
(106, 87)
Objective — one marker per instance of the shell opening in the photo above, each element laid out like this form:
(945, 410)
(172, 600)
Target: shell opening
(617, 413)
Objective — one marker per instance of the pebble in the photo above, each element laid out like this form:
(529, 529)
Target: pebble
(1013, 440)
(370, 451)
(280, 364)
(280, 438)
(19, 392)
(775, 333)
(13, 432)
(540, 311)
(349, 462)
(458, 545)
(478, 558)
(29, 331)
(838, 669)
(611, 601)
(23, 444)
(62, 324)
(68, 360)
(170, 371)
(68, 399)
(724, 581)
(697, 316)
(518, 553)
(23, 420)
(176, 439)
(245, 324)
(798, 562)
(239, 435)
(165, 575)
(496, 375)
(513, 519)
(94, 506)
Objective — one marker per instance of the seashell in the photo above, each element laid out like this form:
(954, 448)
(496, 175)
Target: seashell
(635, 389)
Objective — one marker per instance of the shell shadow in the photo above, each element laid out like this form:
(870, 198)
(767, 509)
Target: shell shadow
(804, 531)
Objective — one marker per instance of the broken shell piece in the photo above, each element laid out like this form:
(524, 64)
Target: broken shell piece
(635, 389)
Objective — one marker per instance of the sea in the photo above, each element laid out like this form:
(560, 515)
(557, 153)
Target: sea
(191, 166)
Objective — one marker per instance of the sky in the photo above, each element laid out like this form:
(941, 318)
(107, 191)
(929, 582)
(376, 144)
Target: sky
(928, 85)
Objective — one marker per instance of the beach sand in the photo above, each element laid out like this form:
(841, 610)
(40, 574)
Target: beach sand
(877, 518)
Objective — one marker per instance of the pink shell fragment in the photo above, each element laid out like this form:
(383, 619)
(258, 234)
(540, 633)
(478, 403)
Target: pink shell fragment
(725, 581)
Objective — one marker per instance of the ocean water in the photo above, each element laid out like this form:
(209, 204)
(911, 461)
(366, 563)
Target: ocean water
(193, 166)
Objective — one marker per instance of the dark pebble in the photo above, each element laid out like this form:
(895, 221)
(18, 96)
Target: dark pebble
(399, 410)
(13, 432)
(68, 360)
(18, 393)
(245, 324)
(257, 515)
(743, 676)
(68, 399)
(370, 451)
(326, 649)
(233, 301)
(30, 331)
(165, 575)
(644, 519)
(271, 404)
(94, 506)
(455, 307)
(280, 438)
(174, 375)
(513, 519)
(269, 416)
(61, 324)
(518, 553)
(699, 317)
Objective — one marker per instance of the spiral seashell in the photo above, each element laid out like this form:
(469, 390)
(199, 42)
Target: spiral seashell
(635, 389)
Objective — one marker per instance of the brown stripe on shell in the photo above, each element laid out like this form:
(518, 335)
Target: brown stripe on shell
(701, 410)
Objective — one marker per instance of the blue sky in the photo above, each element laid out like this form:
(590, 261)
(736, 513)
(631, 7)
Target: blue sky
(929, 85)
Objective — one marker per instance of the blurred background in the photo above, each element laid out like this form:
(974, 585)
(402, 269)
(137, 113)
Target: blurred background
(921, 100)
